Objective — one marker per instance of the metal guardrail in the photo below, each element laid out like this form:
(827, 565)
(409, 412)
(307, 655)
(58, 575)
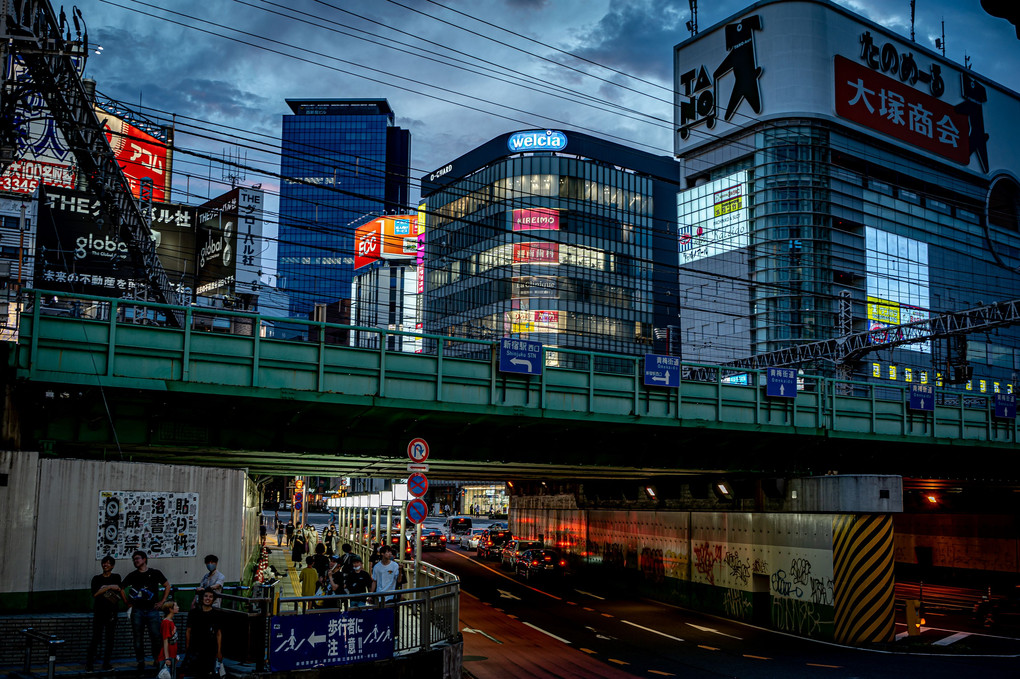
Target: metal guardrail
(51, 641)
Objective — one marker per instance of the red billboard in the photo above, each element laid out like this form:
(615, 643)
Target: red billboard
(536, 253)
(536, 218)
(367, 244)
(139, 154)
(885, 105)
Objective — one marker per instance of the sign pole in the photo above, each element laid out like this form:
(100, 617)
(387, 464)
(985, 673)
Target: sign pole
(417, 553)
(403, 534)
(378, 525)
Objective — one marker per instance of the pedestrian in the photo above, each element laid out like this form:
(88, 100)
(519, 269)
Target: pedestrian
(320, 561)
(262, 531)
(309, 578)
(106, 599)
(289, 531)
(203, 637)
(346, 558)
(374, 557)
(213, 580)
(279, 533)
(297, 548)
(386, 575)
(331, 539)
(446, 509)
(141, 591)
(168, 635)
(358, 581)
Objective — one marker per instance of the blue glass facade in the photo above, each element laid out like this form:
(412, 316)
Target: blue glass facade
(342, 159)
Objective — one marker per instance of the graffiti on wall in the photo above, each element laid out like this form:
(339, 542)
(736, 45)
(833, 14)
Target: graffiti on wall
(800, 617)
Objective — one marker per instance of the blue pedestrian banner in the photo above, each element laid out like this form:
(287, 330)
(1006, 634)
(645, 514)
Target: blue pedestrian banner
(1005, 406)
(520, 356)
(662, 371)
(922, 397)
(300, 642)
(781, 383)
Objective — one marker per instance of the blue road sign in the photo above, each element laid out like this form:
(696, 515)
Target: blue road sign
(781, 383)
(1005, 406)
(417, 484)
(520, 356)
(662, 371)
(417, 510)
(299, 642)
(922, 397)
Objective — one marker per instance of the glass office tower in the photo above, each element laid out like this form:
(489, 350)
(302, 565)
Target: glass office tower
(342, 159)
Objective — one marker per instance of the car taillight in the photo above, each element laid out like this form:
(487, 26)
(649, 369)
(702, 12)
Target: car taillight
(534, 563)
(442, 538)
(563, 562)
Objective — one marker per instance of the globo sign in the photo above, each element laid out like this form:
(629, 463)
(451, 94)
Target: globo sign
(538, 140)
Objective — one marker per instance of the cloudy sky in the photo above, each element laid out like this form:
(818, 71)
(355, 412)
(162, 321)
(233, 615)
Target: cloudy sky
(456, 72)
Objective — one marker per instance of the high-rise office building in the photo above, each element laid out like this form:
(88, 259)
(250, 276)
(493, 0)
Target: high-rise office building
(342, 159)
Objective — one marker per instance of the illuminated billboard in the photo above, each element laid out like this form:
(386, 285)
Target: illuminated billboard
(536, 218)
(712, 219)
(139, 154)
(390, 237)
(541, 320)
(897, 283)
(536, 253)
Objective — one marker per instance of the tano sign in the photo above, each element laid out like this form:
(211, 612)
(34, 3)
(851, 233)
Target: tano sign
(538, 140)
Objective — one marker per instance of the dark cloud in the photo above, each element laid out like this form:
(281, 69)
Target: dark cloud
(637, 36)
(526, 4)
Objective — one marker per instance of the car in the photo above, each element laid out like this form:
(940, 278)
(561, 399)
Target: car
(408, 546)
(540, 563)
(471, 541)
(492, 542)
(433, 539)
(458, 526)
(513, 549)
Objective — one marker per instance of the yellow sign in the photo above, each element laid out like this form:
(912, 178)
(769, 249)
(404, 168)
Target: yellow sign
(728, 206)
(908, 375)
(883, 311)
(876, 369)
(892, 372)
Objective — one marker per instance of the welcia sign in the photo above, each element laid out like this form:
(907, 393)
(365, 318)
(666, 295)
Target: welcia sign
(539, 140)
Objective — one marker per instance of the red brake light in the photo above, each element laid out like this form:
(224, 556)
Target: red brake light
(563, 562)
(442, 538)
(534, 563)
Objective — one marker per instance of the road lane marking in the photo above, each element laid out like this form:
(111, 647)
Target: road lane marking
(708, 648)
(832, 667)
(550, 634)
(505, 576)
(511, 615)
(594, 596)
(571, 603)
(470, 630)
(713, 631)
(607, 615)
(649, 629)
(952, 639)
(661, 674)
(756, 657)
(618, 662)
(590, 610)
(588, 651)
(470, 595)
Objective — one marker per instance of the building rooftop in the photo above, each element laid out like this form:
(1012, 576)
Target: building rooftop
(339, 106)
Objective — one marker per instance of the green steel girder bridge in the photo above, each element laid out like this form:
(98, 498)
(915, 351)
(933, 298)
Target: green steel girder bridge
(95, 378)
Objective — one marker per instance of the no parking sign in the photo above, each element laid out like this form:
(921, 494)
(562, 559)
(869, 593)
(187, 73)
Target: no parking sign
(417, 484)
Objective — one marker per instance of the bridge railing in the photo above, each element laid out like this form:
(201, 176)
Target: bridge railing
(85, 339)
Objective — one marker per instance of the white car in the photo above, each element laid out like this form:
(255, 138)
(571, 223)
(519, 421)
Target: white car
(471, 541)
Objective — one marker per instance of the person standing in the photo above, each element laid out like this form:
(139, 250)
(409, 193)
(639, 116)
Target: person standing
(385, 574)
(279, 531)
(297, 548)
(213, 581)
(203, 637)
(289, 532)
(141, 590)
(168, 635)
(358, 581)
(106, 600)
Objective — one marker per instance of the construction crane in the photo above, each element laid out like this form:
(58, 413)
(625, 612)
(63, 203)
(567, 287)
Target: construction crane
(32, 33)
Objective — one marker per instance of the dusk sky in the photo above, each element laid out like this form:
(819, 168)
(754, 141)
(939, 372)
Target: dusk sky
(456, 73)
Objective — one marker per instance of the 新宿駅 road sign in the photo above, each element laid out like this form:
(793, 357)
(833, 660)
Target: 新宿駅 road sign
(417, 510)
(417, 484)
(662, 371)
(520, 356)
(418, 450)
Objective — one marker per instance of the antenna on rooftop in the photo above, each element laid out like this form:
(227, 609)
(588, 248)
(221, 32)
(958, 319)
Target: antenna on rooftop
(912, 8)
(692, 25)
(232, 167)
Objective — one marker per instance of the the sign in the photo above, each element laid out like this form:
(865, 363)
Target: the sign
(417, 467)
(540, 140)
(140, 154)
(417, 510)
(300, 642)
(536, 253)
(713, 218)
(298, 505)
(1005, 406)
(922, 397)
(662, 371)
(536, 218)
(520, 356)
(781, 383)
(417, 485)
(161, 524)
(418, 450)
(885, 105)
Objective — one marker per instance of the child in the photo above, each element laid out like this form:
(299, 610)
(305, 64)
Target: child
(168, 633)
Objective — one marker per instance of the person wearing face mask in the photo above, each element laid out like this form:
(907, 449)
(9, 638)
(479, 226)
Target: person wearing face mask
(212, 581)
(357, 581)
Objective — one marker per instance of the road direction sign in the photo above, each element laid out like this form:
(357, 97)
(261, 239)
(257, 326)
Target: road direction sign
(520, 356)
(781, 383)
(418, 450)
(662, 371)
(1005, 406)
(416, 467)
(305, 641)
(417, 510)
(922, 397)
(417, 484)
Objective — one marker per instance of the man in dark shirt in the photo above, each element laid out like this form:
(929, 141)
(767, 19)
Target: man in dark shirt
(106, 595)
(358, 581)
(204, 637)
(145, 590)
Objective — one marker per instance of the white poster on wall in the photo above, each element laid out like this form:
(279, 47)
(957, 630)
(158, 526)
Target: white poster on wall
(712, 218)
(160, 524)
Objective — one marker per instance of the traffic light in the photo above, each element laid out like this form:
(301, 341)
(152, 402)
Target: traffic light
(1005, 9)
(915, 617)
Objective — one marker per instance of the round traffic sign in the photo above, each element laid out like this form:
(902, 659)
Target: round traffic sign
(417, 510)
(418, 450)
(297, 506)
(417, 484)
